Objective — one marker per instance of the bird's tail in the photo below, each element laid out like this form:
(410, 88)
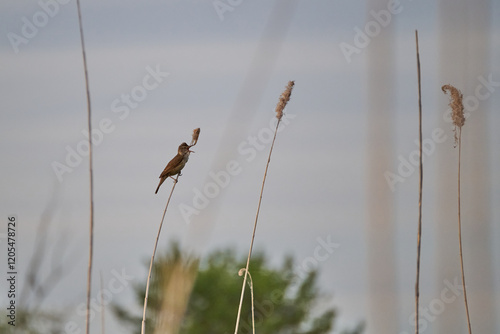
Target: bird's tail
(161, 181)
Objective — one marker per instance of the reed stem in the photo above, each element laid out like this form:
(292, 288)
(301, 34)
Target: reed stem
(143, 326)
(420, 185)
(254, 228)
(460, 231)
(91, 176)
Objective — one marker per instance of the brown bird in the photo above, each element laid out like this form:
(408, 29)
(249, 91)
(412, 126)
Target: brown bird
(175, 165)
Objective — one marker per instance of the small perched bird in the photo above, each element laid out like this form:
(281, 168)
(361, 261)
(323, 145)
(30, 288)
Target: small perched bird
(175, 165)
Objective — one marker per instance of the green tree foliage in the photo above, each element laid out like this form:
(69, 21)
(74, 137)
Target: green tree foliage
(284, 302)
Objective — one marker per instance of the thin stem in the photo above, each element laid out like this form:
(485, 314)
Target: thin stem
(253, 308)
(460, 231)
(103, 326)
(254, 228)
(91, 180)
(143, 326)
(420, 184)
(250, 283)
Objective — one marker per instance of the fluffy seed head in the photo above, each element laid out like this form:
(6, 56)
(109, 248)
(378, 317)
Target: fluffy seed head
(284, 98)
(457, 107)
(196, 134)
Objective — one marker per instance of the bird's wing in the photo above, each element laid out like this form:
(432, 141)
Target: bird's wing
(174, 162)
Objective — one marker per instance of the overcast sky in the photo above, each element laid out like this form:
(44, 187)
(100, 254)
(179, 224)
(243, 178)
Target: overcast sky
(158, 70)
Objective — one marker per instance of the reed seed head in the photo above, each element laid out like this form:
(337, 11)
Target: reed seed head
(284, 98)
(457, 107)
(196, 134)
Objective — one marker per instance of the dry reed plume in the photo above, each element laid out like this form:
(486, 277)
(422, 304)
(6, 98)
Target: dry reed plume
(177, 280)
(196, 134)
(457, 108)
(283, 100)
(458, 118)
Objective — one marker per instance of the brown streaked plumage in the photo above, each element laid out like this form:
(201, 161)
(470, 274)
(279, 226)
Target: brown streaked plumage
(175, 165)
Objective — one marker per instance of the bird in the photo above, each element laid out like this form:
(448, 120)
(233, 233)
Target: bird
(176, 164)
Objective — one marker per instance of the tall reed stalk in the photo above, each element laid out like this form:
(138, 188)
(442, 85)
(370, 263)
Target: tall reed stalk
(284, 98)
(91, 178)
(458, 119)
(196, 134)
(420, 184)
(143, 326)
(103, 307)
(460, 231)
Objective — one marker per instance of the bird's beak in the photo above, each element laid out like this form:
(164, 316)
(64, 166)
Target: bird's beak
(190, 150)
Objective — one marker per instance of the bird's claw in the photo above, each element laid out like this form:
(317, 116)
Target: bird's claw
(175, 179)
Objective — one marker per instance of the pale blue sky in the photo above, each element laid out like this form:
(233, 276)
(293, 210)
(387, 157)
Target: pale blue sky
(316, 181)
